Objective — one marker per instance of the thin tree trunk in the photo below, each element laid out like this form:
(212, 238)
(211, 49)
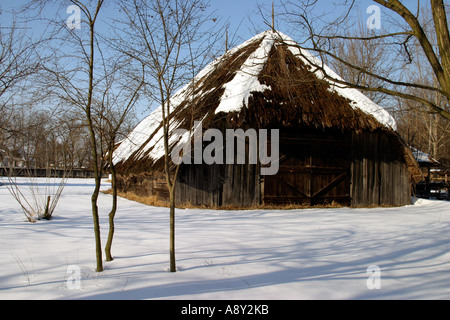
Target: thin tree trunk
(97, 170)
(172, 220)
(173, 267)
(98, 244)
(94, 197)
(112, 214)
(47, 215)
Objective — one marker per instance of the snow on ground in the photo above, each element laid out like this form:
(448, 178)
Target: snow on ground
(258, 254)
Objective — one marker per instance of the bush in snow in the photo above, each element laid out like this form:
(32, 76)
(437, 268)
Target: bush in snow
(37, 197)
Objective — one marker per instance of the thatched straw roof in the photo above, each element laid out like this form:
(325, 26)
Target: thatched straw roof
(266, 82)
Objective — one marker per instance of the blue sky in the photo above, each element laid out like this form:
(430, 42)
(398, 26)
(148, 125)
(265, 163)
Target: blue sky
(244, 17)
(237, 11)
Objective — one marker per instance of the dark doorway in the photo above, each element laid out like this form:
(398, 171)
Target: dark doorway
(314, 170)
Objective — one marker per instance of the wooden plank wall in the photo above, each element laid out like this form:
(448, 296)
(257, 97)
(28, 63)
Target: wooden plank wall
(380, 176)
(216, 185)
(314, 170)
(144, 185)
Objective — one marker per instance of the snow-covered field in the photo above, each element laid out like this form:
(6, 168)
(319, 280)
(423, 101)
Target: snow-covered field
(233, 255)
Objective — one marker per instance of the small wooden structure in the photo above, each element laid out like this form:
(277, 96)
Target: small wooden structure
(425, 162)
(435, 183)
(335, 145)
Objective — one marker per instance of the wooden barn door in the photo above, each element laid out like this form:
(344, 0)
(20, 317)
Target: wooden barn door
(314, 170)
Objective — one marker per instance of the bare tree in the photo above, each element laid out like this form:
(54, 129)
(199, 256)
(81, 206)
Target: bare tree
(31, 149)
(38, 201)
(19, 59)
(120, 94)
(91, 16)
(74, 140)
(366, 55)
(71, 78)
(163, 34)
(428, 132)
(404, 29)
(95, 86)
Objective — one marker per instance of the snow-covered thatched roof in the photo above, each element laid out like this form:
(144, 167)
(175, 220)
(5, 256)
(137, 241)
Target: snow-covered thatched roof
(267, 80)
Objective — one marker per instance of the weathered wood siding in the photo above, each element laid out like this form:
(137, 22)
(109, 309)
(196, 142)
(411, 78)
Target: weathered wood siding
(314, 169)
(219, 185)
(357, 169)
(144, 185)
(380, 176)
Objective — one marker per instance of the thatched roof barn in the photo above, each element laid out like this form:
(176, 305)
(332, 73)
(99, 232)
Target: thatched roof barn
(335, 145)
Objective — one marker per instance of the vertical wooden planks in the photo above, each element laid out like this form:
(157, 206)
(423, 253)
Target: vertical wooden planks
(379, 175)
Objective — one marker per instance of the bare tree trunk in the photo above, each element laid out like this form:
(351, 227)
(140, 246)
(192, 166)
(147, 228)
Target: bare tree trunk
(172, 220)
(170, 183)
(98, 242)
(443, 38)
(95, 155)
(95, 194)
(112, 213)
(162, 39)
(173, 267)
(47, 214)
